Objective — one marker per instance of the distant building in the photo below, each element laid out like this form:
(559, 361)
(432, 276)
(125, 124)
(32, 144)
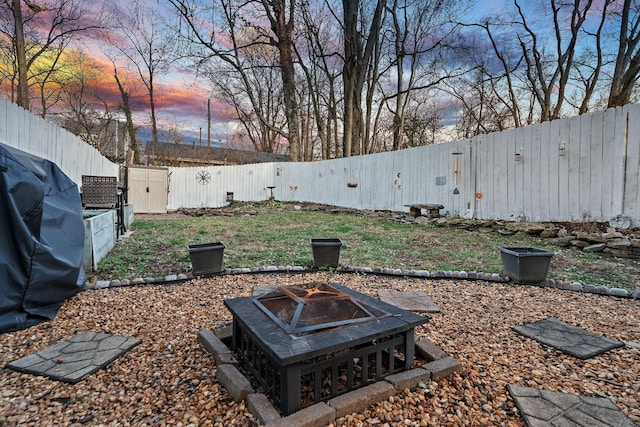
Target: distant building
(171, 154)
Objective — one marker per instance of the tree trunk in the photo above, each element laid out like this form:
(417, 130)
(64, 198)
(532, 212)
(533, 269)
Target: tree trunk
(129, 119)
(23, 87)
(349, 76)
(289, 89)
(152, 108)
(282, 27)
(357, 60)
(627, 68)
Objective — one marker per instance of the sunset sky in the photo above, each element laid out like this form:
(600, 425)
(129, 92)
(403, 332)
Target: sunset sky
(181, 97)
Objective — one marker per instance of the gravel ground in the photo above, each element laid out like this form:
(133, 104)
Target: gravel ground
(170, 380)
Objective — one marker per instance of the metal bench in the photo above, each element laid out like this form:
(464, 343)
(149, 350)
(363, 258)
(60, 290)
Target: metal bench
(433, 209)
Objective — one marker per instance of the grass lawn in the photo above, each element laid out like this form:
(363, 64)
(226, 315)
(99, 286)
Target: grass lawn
(281, 237)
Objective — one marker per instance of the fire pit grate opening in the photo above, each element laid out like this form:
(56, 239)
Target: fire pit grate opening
(313, 307)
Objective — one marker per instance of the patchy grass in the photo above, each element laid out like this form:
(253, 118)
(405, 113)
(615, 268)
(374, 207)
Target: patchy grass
(281, 237)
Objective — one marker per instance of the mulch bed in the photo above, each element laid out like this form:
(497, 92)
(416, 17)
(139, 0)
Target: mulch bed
(169, 378)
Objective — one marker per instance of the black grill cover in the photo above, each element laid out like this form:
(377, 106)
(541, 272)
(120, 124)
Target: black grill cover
(41, 239)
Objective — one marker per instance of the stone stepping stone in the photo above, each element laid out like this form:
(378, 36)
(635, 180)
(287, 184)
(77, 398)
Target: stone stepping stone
(75, 358)
(569, 339)
(542, 408)
(417, 301)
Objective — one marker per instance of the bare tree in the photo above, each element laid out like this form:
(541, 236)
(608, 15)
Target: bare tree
(149, 51)
(627, 64)
(125, 94)
(20, 50)
(234, 31)
(281, 15)
(317, 57)
(546, 74)
(359, 48)
(502, 85)
(265, 100)
(87, 113)
(36, 28)
(419, 33)
(45, 74)
(588, 64)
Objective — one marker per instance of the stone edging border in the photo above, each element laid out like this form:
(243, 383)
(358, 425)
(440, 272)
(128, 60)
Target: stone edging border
(567, 285)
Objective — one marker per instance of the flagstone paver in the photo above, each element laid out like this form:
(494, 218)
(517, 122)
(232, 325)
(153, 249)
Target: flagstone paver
(75, 358)
(417, 301)
(544, 408)
(569, 339)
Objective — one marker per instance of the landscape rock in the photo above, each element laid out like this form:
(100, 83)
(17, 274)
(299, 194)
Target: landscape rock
(619, 243)
(595, 247)
(579, 243)
(618, 292)
(590, 237)
(561, 241)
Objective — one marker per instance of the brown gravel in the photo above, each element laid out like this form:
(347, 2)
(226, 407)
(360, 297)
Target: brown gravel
(170, 380)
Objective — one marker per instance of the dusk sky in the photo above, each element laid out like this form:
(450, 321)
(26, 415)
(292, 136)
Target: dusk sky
(181, 97)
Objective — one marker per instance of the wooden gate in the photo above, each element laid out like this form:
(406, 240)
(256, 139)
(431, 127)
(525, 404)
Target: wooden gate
(148, 189)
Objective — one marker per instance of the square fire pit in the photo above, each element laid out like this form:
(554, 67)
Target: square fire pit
(311, 342)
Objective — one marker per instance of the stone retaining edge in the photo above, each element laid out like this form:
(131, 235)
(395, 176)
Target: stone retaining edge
(397, 272)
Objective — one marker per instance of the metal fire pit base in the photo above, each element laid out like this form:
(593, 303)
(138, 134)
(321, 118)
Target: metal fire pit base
(298, 371)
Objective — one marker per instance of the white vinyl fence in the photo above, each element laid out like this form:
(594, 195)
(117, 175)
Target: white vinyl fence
(578, 169)
(28, 132)
(584, 168)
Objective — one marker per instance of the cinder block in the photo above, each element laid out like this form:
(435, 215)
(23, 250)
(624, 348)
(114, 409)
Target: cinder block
(216, 348)
(236, 384)
(318, 415)
(429, 350)
(408, 379)
(442, 368)
(224, 332)
(260, 407)
(357, 400)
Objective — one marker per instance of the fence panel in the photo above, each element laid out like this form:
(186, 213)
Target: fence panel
(557, 152)
(631, 202)
(584, 167)
(25, 131)
(621, 145)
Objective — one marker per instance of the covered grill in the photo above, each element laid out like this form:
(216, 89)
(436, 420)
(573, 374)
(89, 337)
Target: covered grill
(311, 342)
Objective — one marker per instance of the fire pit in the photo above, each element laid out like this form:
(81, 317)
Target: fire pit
(311, 342)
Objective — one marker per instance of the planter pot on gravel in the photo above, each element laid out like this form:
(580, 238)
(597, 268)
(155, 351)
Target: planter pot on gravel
(206, 258)
(326, 252)
(525, 265)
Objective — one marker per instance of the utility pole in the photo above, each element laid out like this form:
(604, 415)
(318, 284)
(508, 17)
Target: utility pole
(209, 122)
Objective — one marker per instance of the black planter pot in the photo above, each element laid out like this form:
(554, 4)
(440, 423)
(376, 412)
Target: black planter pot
(206, 258)
(326, 252)
(525, 265)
